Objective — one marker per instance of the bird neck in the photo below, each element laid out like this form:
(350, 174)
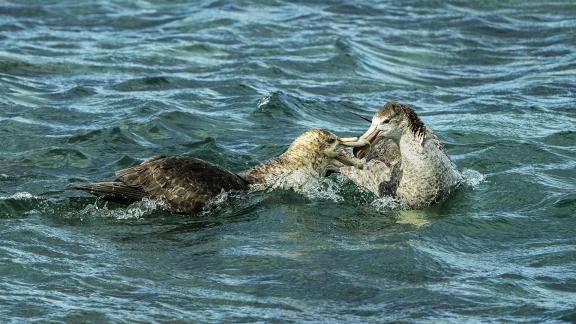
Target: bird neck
(289, 161)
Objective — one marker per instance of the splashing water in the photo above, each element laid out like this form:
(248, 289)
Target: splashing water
(385, 204)
(217, 202)
(219, 199)
(472, 178)
(136, 210)
(19, 196)
(309, 184)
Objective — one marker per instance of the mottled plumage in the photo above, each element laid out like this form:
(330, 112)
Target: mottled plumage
(382, 171)
(307, 152)
(186, 184)
(406, 160)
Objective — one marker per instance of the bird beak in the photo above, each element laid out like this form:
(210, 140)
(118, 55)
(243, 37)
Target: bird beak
(343, 157)
(353, 142)
(369, 137)
(346, 159)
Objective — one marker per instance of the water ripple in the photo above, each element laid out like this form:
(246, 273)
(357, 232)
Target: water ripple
(87, 88)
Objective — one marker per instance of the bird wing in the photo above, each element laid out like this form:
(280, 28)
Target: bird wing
(382, 171)
(384, 150)
(371, 177)
(185, 183)
(112, 191)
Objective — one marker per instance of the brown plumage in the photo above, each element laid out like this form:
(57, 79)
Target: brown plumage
(187, 183)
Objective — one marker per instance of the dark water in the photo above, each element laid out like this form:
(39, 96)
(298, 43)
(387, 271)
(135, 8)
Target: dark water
(87, 87)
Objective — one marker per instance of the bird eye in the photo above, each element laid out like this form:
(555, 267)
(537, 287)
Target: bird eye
(331, 140)
(385, 121)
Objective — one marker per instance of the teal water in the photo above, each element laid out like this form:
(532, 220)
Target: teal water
(88, 87)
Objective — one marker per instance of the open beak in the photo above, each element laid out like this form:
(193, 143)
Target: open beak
(368, 137)
(346, 159)
(343, 157)
(353, 142)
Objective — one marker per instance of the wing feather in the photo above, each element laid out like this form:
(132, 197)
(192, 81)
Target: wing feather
(113, 191)
(185, 183)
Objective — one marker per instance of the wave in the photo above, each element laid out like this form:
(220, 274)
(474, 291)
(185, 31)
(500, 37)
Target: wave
(19, 196)
(137, 210)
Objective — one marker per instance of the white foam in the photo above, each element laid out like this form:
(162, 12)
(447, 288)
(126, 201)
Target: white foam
(386, 203)
(264, 101)
(216, 203)
(472, 178)
(20, 196)
(134, 211)
(311, 185)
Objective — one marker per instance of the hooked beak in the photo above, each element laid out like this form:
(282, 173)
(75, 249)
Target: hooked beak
(353, 142)
(343, 157)
(369, 137)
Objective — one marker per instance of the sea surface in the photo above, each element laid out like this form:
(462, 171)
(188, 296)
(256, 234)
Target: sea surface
(89, 87)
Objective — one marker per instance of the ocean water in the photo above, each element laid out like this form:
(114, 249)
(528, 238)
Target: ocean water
(88, 87)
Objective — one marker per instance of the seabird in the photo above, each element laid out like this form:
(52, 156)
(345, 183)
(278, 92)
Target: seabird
(186, 184)
(405, 160)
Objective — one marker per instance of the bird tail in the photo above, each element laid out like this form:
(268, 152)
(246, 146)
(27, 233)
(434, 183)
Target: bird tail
(112, 191)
